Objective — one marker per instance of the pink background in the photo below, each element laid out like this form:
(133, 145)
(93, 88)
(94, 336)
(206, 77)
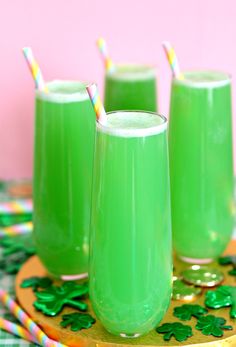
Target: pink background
(62, 34)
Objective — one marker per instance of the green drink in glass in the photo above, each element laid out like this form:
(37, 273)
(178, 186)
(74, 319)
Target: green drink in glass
(130, 246)
(63, 159)
(201, 165)
(131, 87)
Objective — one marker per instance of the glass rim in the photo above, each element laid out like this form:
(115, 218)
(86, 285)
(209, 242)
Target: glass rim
(60, 97)
(204, 84)
(149, 71)
(128, 132)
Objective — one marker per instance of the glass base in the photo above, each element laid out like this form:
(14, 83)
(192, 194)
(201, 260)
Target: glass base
(195, 260)
(129, 336)
(74, 277)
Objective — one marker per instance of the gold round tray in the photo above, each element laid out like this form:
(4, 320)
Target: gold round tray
(97, 336)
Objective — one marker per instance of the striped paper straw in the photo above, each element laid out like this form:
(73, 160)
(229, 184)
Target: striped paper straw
(17, 206)
(16, 329)
(97, 103)
(17, 229)
(172, 59)
(35, 70)
(102, 46)
(27, 322)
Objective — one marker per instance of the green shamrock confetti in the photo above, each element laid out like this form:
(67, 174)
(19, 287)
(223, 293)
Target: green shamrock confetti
(232, 272)
(211, 325)
(185, 312)
(36, 282)
(8, 219)
(180, 331)
(52, 300)
(228, 260)
(223, 296)
(77, 321)
(16, 250)
(12, 264)
(14, 245)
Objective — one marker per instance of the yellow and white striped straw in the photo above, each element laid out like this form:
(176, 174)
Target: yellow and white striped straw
(35, 69)
(102, 46)
(172, 59)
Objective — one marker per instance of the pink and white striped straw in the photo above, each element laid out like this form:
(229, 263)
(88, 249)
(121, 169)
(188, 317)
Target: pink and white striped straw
(27, 322)
(97, 103)
(35, 69)
(172, 59)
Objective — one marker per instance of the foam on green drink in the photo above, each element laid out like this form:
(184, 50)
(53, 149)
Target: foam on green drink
(201, 164)
(130, 247)
(64, 145)
(131, 87)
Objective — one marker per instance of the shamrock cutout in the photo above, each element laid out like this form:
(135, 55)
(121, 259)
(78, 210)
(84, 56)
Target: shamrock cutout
(180, 331)
(77, 321)
(51, 300)
(12, 263)
(185, 312)
(16, 251)
(13, 245)
(232, 272)
(36, 282)
(223, 296)
(211, 325)
(8, 219)
(228, 260)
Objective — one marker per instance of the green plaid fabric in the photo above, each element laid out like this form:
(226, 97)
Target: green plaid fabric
(7, 283)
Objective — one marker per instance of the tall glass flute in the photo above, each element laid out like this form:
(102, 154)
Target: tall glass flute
(130, 246)
(201, 165)
(131, 87)
(63, 159)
